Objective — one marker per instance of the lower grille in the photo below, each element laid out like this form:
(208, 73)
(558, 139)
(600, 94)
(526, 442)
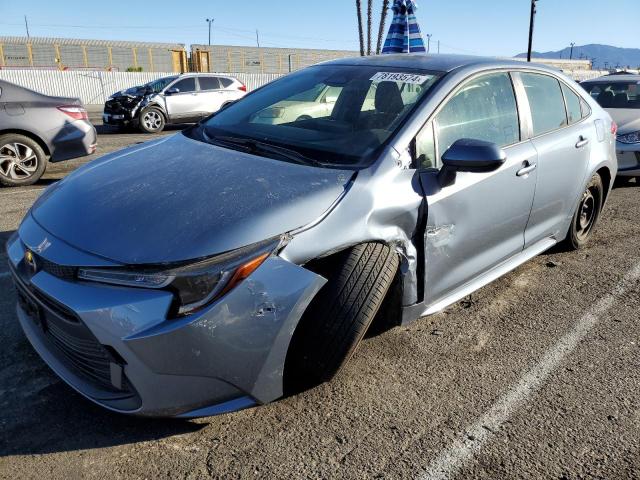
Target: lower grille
(72, 342)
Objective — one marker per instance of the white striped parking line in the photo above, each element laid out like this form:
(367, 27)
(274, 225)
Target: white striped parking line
(450, 460)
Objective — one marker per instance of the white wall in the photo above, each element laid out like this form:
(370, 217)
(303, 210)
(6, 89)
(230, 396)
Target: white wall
(94, 87)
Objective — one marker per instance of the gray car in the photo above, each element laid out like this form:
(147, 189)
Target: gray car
(619, 95)
(184, 98)
(35, 128)
(220, 267)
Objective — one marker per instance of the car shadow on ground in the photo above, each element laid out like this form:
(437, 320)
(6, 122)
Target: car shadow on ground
(626, 183)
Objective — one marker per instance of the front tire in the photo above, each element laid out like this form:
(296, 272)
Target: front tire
(586, 215)
(151, 120)
(22, 160)
(340, 314)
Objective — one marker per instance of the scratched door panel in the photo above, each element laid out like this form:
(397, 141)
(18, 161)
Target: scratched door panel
(476, 223)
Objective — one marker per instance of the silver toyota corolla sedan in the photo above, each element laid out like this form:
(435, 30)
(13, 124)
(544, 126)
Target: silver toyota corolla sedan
(203, 272)
(619, 95)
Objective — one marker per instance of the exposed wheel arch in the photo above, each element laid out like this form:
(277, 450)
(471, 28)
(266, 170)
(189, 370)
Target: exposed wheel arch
(36, 138)
(359, 279)
(605, 175)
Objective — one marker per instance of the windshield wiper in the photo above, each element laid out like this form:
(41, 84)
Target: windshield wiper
(256, 146)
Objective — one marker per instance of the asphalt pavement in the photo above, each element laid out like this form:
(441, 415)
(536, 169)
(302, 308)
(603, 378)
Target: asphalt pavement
(534, 376)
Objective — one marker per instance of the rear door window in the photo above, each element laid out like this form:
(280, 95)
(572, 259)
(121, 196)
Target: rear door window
(574, 110)
(546, 101)
(209, 83)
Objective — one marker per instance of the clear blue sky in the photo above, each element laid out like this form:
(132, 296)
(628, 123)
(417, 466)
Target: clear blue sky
(489, 27)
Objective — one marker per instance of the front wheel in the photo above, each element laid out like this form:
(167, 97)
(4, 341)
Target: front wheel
(338, 317)
(22, 160)
(586, 215)
(151, 120)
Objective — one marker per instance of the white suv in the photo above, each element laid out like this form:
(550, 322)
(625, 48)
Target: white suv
(182, 98)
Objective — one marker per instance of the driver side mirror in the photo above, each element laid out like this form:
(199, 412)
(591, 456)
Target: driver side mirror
(469, 155)
(172, 91)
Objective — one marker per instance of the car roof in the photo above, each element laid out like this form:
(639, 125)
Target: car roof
(205, 74)
(625, 78)
(434, 62)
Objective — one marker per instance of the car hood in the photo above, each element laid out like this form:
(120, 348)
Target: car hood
(179, 199)
(627, 119)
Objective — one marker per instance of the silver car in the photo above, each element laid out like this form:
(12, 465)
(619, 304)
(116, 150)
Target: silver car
(177, 99)
(36, 128)
(218, 268)
(619, 95)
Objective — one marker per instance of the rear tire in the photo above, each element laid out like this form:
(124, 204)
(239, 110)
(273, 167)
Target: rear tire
(586, 215)
(22, 160)
(151, 120)
(339, 315)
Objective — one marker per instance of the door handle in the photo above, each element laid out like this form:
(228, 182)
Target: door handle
(527, 169)
(583, 142)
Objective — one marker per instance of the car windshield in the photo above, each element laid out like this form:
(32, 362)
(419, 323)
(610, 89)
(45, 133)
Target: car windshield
(158, 85)
(330, 115)
(615, 94)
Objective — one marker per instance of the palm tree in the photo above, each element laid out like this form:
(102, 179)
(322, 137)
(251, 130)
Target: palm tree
(369, 25)
(360, 31)
(383, 18)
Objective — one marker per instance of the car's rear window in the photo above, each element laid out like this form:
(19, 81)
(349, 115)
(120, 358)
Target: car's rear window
(615, 94)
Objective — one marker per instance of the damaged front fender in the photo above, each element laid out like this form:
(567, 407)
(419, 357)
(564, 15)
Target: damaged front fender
(243, 339)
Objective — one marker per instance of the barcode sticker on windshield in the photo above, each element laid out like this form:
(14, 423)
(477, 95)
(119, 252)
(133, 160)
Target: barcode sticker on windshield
(400, 77)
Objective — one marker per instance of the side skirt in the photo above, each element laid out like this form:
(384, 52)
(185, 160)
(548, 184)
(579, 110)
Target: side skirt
(413, 312)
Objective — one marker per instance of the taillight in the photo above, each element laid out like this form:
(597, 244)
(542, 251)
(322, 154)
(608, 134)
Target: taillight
(74, 111)
(242, 88)
(614, 128)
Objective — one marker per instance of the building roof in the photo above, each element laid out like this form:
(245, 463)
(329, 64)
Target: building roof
(625, 78)
(86, 42)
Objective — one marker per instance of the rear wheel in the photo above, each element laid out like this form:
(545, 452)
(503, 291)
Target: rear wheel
(151, 120)
(22, 160)
(586, 215)
(338, 317)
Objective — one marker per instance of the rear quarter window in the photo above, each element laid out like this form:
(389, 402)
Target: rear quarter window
(574, 110)
(226, 82)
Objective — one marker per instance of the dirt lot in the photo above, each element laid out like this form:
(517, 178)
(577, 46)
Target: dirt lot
(534, 376)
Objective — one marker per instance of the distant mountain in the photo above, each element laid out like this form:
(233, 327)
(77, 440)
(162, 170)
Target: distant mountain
(613, 56)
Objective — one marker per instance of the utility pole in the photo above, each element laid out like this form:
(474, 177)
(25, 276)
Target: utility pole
(429, 35)
(258, 38)
(438, 46)
(571, 54)
(26, 25)
(210, 21)
(531, 22)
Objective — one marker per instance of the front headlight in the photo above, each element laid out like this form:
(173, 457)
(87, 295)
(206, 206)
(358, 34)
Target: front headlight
(633, 137)
(195, 285)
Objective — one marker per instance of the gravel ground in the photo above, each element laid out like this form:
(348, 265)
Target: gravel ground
(534, 376)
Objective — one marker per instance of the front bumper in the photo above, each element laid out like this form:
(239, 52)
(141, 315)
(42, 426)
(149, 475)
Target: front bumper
(628, 159)
(125, 355)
